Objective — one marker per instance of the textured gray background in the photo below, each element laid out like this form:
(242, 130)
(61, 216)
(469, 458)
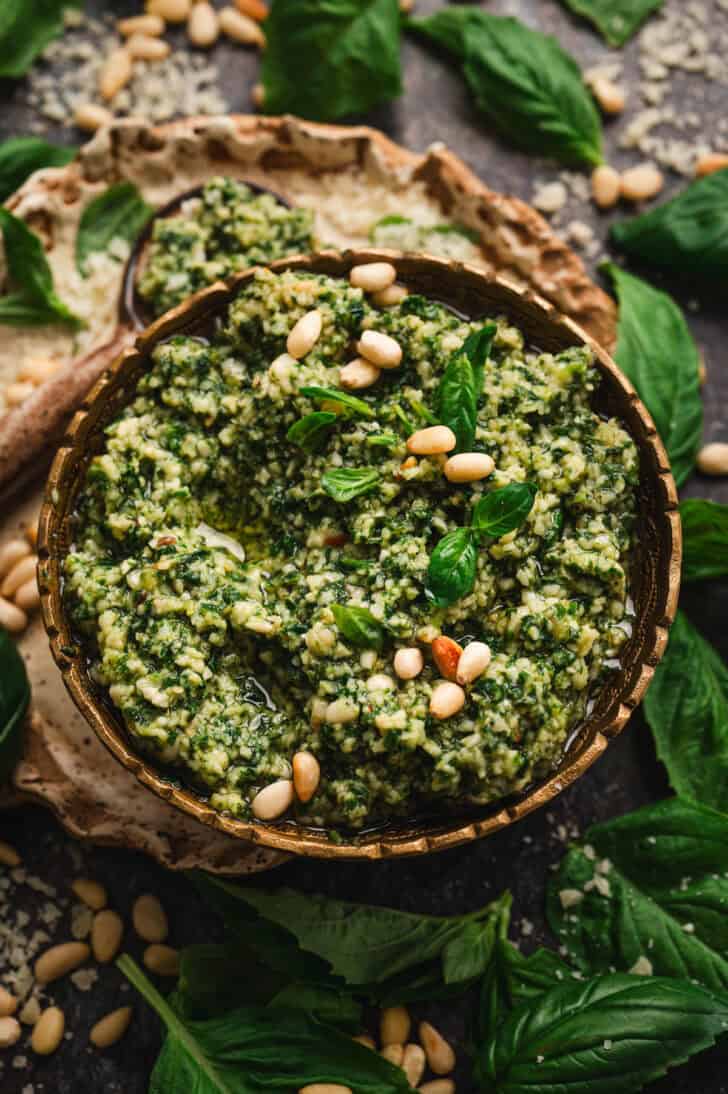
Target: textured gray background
(435, 106)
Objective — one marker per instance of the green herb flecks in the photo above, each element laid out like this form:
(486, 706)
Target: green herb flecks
(359, 626)
(310, 432)
(346, 483)
(349, 403)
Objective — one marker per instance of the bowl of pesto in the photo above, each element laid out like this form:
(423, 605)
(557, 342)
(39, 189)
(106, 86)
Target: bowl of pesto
(360, 554)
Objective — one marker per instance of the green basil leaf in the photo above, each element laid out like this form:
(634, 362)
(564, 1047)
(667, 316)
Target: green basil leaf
(616, 20)
(612, 1033)
(30, 275)
(18, 310)
(649, 886)
(359, 626)
(119, 213)
(705, 539)
(21, 156)
(511, 979)
(688, 234)
(310, 433)
(346, 483)
(26, 29)
(657, 353)
(334, 1008)
(457, 395)
(357, 407)
(382, 440)
(356, 46)
(210, 979)
(528, 87)
(502, 510)
(686, 706)
(254, 1049)
(453, 566)
(14, 700)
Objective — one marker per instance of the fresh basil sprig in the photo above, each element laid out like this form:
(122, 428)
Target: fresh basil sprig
(357, 49)
(346, 483)
(461, 385)
(705, 539)
(688, 234)
(616, 20)
(26, 29)
(310, 432)
(32, 300)
(453, 564)
(359, 626)
(527, 86)
(655, 349)
(357, 407)
(119, 213)
(14, 700)
(21, 156)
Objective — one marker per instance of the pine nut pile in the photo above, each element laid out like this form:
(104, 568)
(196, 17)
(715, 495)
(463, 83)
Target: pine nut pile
(19, 596)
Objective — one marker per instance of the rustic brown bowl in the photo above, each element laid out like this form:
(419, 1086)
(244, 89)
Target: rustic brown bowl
(656, 565)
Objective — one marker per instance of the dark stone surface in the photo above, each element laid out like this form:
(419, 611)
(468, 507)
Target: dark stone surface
(435, 107)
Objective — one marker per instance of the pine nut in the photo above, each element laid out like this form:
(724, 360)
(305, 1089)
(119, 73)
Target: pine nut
(151, 25)
(305, 334)
(438, 1086)
(713, 459)
(203, 27)
(358, 374)
(8, 855)
(149, 918)
(641, 183)
(241, 28)
(13, 619)
(38, 369)
(372, 276)
(48, 1031)
(115, 73)
(610, 96)
(89, 892)
(341, 712)
(365, 1040)
(9, 1032)
(111, 1028)
(324, 1088)
(473, 662)
(162, 960)
(432, 440)
(390, 296)
(257, 95)
(446, 699)
(394, 1026)
(22, 571)
(306, 775)
(143, 48)
(59, 960)
(381, 681)
(107, 930)
(27, 597)
(15, 394)
(702, 371)
(446, 654)
(708, 165)
(413, 1063)
(408, 663)
(11, 553)
(255, 9)
(393, 1053)
(90, 117)
(469, 467)
(172, 11)
(8, 1003)
(272, 801)
(380, 349)
(438, 1051)
(606, 185)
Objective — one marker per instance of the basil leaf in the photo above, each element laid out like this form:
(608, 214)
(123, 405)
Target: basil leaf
(654, 886)
(356, 46)
(511, 979)
(31, 277)
(616, 20)
(502, 510)
(657, 353)
(254, 1049)
(14, 700)
(26, 29)
(688, 234)
(332, 395)
(310, 433)
(21, 156)
(611, 1033)
(359, 626)
(456, 398)
(453, 566)
(705, 539)
(119, 213)
(527, 86)
(686, 706)
(382, 440)
(347, 483)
